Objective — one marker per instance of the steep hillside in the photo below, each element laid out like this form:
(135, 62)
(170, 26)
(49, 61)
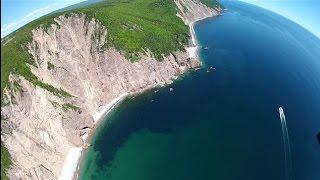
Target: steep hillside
(59, 71)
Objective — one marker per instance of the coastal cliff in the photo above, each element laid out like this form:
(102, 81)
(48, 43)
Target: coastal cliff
(71, 55)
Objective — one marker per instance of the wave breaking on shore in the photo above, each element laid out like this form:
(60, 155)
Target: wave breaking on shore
(192, 50)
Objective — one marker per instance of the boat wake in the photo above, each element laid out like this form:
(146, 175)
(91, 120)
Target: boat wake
(286, 142)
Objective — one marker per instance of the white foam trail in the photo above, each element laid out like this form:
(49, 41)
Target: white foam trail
(286, 142)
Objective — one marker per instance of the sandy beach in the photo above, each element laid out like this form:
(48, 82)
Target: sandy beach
(104, 110)
(193, 49)
(71, 163)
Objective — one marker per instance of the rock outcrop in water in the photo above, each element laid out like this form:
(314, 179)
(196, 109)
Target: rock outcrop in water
(42, 127)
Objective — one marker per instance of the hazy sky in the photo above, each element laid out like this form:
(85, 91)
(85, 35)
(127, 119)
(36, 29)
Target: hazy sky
(16, 13)
(303, 12)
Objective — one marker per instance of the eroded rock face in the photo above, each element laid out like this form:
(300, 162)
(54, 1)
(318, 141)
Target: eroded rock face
(193, 10)
(41, 129)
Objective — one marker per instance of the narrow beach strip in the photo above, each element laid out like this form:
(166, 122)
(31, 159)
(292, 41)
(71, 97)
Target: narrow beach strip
(104, 110)
(69, 170)
(192, 50)
(70, 164)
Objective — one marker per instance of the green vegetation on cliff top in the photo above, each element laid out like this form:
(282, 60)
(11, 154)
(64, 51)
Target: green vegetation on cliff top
(15, 58)
(138, 25)
(212, 3)
(133, 26)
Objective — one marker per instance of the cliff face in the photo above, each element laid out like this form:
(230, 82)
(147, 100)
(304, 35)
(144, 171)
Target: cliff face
(42, 127)
(193, 10)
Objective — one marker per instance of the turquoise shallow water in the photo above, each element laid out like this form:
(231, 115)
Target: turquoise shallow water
(223, 124)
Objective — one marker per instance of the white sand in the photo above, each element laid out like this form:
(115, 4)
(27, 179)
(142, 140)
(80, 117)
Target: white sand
(192, 50)
(104, 110)
(70, 164)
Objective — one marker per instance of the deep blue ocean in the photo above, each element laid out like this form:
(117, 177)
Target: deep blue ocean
(223, 124)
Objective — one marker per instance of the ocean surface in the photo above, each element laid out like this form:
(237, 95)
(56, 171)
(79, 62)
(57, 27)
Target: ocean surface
(223, 124)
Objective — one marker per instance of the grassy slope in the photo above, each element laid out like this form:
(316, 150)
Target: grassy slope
(14, 57)
(5, 161)
(212, 3)
(133, 26)
(141, 24)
